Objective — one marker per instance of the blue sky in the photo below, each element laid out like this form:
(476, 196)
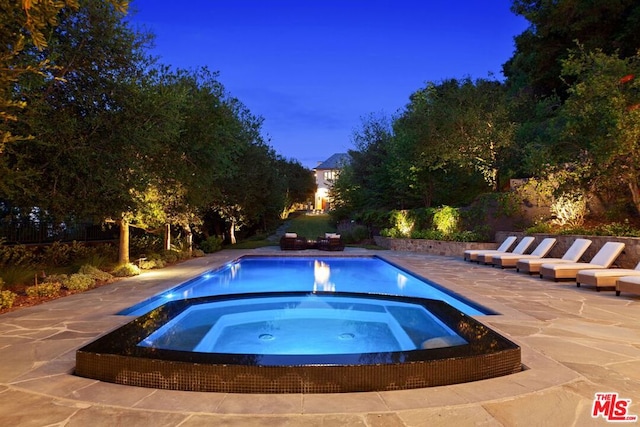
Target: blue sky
(314, 68)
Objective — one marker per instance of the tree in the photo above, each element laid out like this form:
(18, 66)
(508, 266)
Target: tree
(22, 24)
(299, 185)
(458, 125)
(108, 121)
(555, 26)
(600, 119)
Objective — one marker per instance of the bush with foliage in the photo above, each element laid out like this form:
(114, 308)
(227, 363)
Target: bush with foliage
(79, 282)
(403, 221)
(211, 244)
(197, 253)
(44, 290)
(7, 298)
(150, 264)
(447, 220)
(95, 273)
(540, 226)
(16, 255)
(126, 270)
(148, 243)
(60, 254)
(355, 234)
(15, 276)
(458, 236)
(569, 210)
(55, 278)
(170, 256)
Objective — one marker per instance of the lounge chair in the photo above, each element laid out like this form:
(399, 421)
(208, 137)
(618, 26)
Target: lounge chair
(520, 249)
(472, 254)
(573, 254)
(605, 278)
(602, 259)
(509, 260)
(628, 284)
(292, 242)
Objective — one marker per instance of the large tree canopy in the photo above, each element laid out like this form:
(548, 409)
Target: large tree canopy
(556, 25)
(23, 24)
(115, 136)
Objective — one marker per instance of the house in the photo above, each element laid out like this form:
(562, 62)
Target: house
(326, 173)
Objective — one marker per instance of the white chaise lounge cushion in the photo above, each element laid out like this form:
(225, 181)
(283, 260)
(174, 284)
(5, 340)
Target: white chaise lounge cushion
(521, 247)
(607, 277)
(510, 259)
(602, 259)
(472, 254)
(573, 254)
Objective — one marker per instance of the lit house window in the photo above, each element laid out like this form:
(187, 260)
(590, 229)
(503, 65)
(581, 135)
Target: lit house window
(330, 175)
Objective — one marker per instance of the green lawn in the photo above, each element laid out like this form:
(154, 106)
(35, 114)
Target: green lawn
(311, 226)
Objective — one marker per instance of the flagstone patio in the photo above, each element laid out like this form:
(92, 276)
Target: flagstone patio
(575, 342)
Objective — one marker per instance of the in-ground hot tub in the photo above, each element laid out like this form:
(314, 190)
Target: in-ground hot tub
(286, 342)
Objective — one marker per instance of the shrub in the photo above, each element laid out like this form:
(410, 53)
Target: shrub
(197, 253)
(171, 256)
(44, 290)
(569, 210)
(539, 227)
(78, 282)
(17, 255)
(403, 222)
(360, 233)
(15, 276)
(55, 278)
(56, 254)
(211, 244)
(148, 264)
(126, 270)
(95, 273)
(447, 220)
(7, 298)
(145, 244)
(617, 229)
(392, 232)
(101, 256)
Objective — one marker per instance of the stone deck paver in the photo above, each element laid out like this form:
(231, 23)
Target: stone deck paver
(575, 342)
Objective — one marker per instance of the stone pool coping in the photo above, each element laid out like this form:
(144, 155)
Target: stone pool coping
(575, 342)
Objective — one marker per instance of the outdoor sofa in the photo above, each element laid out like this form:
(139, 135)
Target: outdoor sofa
(292, 242)
(330, 242)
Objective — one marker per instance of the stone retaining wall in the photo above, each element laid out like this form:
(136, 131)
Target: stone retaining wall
(628, 259)
(431, 247)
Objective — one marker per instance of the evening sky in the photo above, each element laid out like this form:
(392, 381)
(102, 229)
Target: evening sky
(313, 69)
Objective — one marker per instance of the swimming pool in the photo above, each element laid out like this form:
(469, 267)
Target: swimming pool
(301, 325)
(251, 274)
(341, 342)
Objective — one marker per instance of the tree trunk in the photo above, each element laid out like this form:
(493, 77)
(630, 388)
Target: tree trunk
(167, 237)
(635, 194)
(123, 246)
(189, 239)
(494, 178)
(232, 232)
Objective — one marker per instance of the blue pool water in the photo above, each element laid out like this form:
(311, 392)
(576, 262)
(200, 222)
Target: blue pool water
(328, 274)
(308, 324)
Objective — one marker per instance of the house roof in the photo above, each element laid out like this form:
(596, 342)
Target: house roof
(336, 161)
